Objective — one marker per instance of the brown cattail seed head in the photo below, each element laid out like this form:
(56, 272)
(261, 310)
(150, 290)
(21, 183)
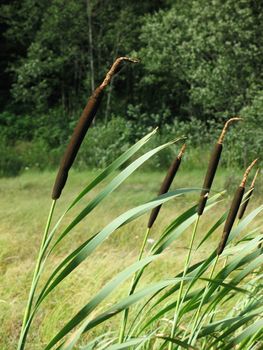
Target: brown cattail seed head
(82, 127)
(244, 205)
(231, 218)
(166, 184)
(212, 167)
(222, 136)
(210, 174)
(234, 210)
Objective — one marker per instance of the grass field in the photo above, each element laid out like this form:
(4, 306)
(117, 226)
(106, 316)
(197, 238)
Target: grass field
(25, 202)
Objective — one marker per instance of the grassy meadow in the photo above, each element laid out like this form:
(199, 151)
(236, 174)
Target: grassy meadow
(25, 202)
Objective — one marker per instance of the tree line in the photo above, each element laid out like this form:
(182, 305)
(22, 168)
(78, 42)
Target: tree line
(198, 59)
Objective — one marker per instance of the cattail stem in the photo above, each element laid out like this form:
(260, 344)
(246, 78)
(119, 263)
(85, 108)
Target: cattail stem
(23, 335)
(244, 205)
(82, 127)
(197, 314)
(234, 209)
(223, 133)
(166, 184)
(163, 189)
(132, 288)
(186, 266)
(212, 167)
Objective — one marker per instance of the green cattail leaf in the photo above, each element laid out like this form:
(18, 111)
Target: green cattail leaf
(240, 247)
(240, 261)
(177, 233)
(92, 244)
(173, 231)
(182, 344)
(128, 344)
(248, 332)
(161, 312)
(222, 324)
(213, 229)
(192, 275)
(250, 261)
(116, 164)
(181, 220)
(102, 176)
(103, 293)
(193, 297)
(97, 341)
(112, 311)
(244, 223)
(201, 267)
(110, 188)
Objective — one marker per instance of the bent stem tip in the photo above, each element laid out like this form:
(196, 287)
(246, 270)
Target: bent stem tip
(182, 150)
(223, 133)
(244, 180)
(254, 179)
(115, 68)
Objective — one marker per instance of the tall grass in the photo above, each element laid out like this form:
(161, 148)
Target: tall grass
(213, 303)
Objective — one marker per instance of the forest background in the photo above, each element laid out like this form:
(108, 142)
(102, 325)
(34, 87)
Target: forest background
(200, 63)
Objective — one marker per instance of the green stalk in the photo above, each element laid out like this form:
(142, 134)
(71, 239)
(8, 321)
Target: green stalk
(35, 278)
(186, 266)
(132, 287)
(195, 323)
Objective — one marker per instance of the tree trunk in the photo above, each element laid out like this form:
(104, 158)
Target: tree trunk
(89, 11)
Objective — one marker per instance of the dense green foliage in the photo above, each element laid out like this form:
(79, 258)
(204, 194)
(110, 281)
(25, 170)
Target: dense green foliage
(199, 60)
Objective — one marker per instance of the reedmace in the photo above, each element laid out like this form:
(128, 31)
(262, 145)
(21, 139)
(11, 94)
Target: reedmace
(212, 167)
(234, 209)
(167, 183)
(82, 127)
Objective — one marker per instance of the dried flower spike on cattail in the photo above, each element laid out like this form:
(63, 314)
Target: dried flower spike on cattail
(234, 210)
(166, 184)
(244, 205)
(212, 167)
(82, 127)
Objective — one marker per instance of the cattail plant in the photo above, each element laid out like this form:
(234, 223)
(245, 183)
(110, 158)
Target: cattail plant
(166, 184)
(70, 154)
(174, 167)
(82, 127)
(244, 205)
(212, 167)
(226, 231)
(234, 210)
(148, 328)
(208, 181)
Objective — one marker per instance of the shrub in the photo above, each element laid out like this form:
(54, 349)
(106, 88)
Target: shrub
(36, 154)
(104, 143)
(10, 162)
(244, 144)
